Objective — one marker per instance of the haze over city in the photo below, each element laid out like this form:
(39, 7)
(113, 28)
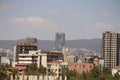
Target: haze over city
(78, 19)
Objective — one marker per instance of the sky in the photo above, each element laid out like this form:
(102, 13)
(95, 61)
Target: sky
(78, 19)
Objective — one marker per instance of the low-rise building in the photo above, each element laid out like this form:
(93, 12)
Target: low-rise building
(84, 66)
(33, 57)
(53, 55)
(71, 58)
(115, 70)
(21, 68)
(56, 68)
(80, 67)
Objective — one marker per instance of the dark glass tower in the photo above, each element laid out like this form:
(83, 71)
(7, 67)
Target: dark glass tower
(59, 41)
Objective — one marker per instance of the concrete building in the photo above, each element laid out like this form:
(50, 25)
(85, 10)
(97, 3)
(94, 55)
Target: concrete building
(53, 55)
(33, 57)
(71, 58)
(83, 67)
(5, 60)
(24, 48)
(59, 41)
(65, 53)
(110, 50)
(56, 68)
(26, 53)
(22, 68)
(80, 67)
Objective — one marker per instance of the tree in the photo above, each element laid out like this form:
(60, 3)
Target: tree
(107, 70)
(14, 73)
(32, 69)
(3, 75)
(95, 73)
(42, 71)
(72, 75)
(106, 74)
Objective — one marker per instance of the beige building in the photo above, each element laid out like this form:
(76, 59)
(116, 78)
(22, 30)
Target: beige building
(110, 51)
(56, 68)
(33, 57)
(71, 58)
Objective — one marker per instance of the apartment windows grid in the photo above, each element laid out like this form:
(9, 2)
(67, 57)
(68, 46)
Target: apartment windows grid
(111, 49)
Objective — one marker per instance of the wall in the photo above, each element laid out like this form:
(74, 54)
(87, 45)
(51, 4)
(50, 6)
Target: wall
(34, 77)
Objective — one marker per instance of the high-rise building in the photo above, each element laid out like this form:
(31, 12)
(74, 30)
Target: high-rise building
(110, 50)
(24, 48)
(60, 41)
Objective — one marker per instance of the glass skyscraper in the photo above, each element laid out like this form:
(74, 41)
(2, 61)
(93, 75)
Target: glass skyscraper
(59, 41)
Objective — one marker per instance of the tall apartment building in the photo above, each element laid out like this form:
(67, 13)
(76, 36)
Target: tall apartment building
(110, 50)
(59, 41)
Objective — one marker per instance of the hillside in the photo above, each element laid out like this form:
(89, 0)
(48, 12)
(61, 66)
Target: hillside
(92, 44)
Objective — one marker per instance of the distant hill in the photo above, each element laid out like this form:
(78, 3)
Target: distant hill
(92, 44)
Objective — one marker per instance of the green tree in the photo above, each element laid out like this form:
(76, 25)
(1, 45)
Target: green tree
(32, 69)
(14, 73)
(3, 75)
(72, 75)
(42, 71)
(107, 70)
(106, 74)
(95, 73)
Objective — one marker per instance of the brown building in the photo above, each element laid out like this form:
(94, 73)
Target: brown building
(80, 67)
(22, 68)
(84, 67)
(53, 55)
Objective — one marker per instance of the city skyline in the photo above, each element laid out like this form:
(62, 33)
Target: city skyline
(80, 19)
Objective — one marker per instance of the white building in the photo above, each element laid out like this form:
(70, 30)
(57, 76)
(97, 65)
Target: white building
(5, 60)
(33, 57)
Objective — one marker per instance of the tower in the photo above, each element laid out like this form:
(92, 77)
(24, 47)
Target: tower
(60, 41)
(110, 50)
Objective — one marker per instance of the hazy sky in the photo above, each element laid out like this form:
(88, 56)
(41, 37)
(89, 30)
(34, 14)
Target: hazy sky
(78, 19)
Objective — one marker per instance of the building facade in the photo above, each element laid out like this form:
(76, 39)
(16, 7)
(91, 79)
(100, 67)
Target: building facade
(110, 50)
(53, 55)
(71, 58)
(56, 68)
(59, 41)
(80, 67)
(26, 53)
(33, 57)
(24, 48)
